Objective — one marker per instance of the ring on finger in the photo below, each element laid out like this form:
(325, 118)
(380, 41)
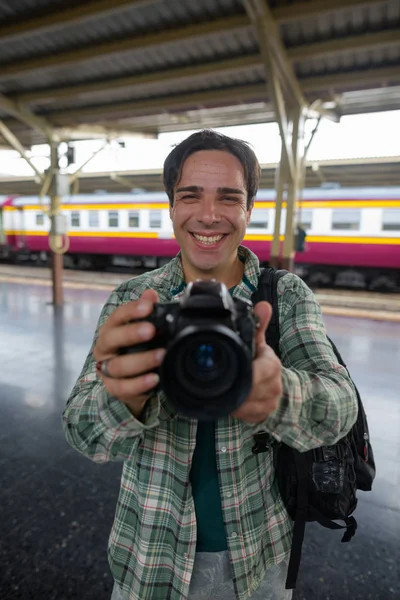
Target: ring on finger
(104, 368)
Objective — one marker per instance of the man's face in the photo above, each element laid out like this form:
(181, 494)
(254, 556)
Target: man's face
(209, 214)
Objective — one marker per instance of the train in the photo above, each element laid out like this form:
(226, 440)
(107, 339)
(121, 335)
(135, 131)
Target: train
(352, 235)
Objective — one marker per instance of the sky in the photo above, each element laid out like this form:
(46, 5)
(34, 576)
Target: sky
(370, 135)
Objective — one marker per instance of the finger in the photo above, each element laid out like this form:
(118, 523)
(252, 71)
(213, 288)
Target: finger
(263, 310)
(127, 390)
(132, 365)
(137, 309)
(150, 295)
(121, 337)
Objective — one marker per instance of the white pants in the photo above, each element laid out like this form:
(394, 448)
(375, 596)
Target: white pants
(212, 580)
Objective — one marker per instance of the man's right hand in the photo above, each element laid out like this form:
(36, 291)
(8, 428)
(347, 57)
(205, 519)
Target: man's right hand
(126, 381)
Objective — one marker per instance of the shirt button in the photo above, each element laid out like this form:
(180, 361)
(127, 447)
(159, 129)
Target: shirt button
(223, 448)
(234, 534)
(229, 494)
(186, 555)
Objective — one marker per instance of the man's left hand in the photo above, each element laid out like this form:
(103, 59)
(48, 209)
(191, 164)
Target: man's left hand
(266, 391)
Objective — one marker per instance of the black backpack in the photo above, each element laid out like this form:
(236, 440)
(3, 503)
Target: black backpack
(321, 484)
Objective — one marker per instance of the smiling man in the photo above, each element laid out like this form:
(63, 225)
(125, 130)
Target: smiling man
(210, 211)
(199, 515)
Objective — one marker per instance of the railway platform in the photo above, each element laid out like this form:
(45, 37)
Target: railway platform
(57, 508)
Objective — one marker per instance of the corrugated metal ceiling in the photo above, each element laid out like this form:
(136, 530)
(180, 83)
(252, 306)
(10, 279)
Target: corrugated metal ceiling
(354, 20)
(341, 28)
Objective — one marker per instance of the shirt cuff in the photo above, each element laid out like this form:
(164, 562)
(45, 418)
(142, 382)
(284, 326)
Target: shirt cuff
(115, 415)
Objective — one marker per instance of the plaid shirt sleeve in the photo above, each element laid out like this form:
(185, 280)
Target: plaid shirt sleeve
(319, 403)
(96, 424)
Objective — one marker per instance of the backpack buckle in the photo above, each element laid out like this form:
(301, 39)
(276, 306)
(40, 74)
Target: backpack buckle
(261, 442)
(327, 453)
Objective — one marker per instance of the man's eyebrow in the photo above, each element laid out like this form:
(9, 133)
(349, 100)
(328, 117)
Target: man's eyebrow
(190, 188)
(227, 190)
(198, 189)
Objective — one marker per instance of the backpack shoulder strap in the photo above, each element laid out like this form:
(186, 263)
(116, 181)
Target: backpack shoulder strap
(268, 290)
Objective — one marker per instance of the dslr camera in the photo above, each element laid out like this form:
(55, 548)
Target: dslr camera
(209, 337)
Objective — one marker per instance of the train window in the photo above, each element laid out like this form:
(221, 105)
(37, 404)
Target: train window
(155, 219)
(305, 219)
(113, 218)
(75, 219)
(133, 219)
(391, 219)
(39, 219)
(94, 219)
(344, 218)
(259, 218)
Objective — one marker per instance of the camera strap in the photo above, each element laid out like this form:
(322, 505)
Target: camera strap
(267, 291)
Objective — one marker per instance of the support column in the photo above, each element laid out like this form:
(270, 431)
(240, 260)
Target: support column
(57, 279)
(56, 257)
(280, 179)
(289, 103)
(295, 181)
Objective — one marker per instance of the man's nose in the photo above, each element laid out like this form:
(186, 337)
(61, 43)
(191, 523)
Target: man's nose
(208, 212)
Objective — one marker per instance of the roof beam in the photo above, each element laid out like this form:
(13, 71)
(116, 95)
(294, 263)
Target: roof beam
(130, 43)
(100, 8)
(365, 41)
(25, 115)
(296, 54)
(16, 144)
(378, 76)
(239, 93)
(173, 102)
(313, 8)
(216, 68)
(59, 18)
(318, 49)
(98, 131)
(273, 51)
(325, 86)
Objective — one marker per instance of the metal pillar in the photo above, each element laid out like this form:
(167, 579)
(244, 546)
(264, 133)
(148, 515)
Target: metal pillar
(56, 257)
(280, 179)
(296, 180)
(289, 104)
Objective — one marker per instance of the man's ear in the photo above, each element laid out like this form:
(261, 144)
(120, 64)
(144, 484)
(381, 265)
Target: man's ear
(249, 211)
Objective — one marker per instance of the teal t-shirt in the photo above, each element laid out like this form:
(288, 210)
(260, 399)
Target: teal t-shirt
(211, 536)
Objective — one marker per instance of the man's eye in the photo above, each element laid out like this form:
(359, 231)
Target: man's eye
(229, 199)
(189, 197)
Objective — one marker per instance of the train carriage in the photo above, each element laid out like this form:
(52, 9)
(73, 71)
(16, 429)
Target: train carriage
(353, 235)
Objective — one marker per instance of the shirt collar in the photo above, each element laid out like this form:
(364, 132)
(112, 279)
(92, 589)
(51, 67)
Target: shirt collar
(248, 283)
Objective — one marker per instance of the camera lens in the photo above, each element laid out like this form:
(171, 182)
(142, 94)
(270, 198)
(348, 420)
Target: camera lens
(207, 373)
(205, 361)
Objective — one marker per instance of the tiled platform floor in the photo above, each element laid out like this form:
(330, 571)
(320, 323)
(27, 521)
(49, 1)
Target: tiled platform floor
(56, 507)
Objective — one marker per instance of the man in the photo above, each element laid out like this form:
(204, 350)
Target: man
(199, 515)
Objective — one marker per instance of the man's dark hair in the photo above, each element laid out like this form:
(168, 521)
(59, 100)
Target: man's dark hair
(211, 140)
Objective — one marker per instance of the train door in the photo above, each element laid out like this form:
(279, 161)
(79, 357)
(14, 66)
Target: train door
(19, 228)
(2, 230)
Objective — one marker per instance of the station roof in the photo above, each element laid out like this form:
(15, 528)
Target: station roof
(151, 66)
(374, 172)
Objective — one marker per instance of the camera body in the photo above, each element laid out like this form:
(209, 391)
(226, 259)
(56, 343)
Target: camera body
(209, 336)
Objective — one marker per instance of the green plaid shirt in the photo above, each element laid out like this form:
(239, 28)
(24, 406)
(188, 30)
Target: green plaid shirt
(152, 545)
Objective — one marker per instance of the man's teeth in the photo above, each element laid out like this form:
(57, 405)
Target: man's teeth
(207, 239)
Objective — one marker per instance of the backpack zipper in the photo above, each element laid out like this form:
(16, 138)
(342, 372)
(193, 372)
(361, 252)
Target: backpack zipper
(366, 438)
